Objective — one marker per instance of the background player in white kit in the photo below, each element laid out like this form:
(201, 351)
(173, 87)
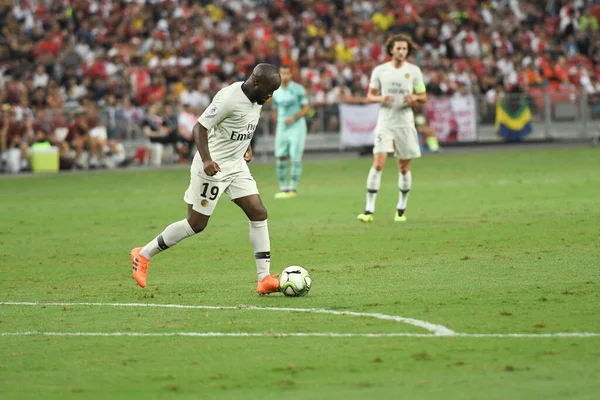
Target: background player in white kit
(222, 136)
(397, 85)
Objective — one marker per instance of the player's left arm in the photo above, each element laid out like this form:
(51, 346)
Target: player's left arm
(419, 94)
(248, 154)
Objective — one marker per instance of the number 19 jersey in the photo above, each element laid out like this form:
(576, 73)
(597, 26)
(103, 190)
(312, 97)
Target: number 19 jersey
(231, 119)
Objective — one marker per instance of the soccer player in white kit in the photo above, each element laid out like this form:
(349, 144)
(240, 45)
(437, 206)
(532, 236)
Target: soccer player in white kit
(222, 135)
(397, 85)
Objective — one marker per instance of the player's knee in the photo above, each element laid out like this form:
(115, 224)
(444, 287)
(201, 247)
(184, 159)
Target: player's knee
(378, 166)
(197, 226)
(197, 223)
(258, 214)
(404, 168)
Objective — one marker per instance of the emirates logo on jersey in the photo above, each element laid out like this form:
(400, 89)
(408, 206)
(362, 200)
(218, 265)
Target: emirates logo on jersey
(241, 136)
(244, 136)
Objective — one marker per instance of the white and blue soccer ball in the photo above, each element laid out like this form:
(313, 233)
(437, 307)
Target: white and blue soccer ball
(294, 281)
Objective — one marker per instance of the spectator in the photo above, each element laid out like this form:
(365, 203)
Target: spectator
(80, 139)
(588, 22)
(568, 21)
(197, 97)
(186, 121)
(14, 134)
(533, 78)
(114, 132)
(160, 129)
(40, 78)
(73, 54)
(583, 44)
(571, 47)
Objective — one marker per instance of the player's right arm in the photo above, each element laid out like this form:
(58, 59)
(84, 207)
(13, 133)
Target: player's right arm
(216, 112)
(200, 134)
(304, 103)
(374, 94)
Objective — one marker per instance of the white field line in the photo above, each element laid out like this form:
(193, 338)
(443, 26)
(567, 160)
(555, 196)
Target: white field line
(504, 182)
(433, 328)
(436, 330)
(307, 334)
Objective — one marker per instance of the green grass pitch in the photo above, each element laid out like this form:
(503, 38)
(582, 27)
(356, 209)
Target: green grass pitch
(495, 243)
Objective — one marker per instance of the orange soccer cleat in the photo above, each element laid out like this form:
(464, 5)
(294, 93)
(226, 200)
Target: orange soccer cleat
(269, 284)
(140, 266)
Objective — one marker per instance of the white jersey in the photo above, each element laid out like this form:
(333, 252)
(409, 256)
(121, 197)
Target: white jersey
(396, 82)
(230, 119)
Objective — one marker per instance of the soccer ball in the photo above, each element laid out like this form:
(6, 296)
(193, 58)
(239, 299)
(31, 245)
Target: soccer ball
(294, 281)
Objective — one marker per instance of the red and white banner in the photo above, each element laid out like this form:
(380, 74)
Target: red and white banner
(453, 119)
(357, 124)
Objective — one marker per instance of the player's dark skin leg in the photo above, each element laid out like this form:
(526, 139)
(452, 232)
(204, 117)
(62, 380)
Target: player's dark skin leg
(196, 220)
(253, 207)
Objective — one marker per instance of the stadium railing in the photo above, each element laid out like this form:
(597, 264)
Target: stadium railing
(568, 115)
(565, 115)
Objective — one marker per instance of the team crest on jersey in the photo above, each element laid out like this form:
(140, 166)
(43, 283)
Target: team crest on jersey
(204, 203)
(211, 112)
(407, 76)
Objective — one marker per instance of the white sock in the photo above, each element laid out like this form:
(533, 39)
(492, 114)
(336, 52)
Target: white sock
(404, 184)
(259, 237)
(373, 184)
(172, 235)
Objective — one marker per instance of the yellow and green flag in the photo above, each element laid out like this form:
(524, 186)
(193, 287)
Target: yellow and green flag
(515, 124)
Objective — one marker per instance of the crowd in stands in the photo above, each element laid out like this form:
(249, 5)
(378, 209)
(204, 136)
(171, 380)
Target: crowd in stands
(80, 73)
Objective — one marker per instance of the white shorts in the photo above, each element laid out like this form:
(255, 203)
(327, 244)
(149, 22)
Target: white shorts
(204, 191)
(403, 142)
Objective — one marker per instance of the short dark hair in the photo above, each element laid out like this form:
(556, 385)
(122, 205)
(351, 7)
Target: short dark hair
(389, 44)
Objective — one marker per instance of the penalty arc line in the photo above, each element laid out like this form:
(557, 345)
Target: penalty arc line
(436, 330)
(439, 330)
(304, 334)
